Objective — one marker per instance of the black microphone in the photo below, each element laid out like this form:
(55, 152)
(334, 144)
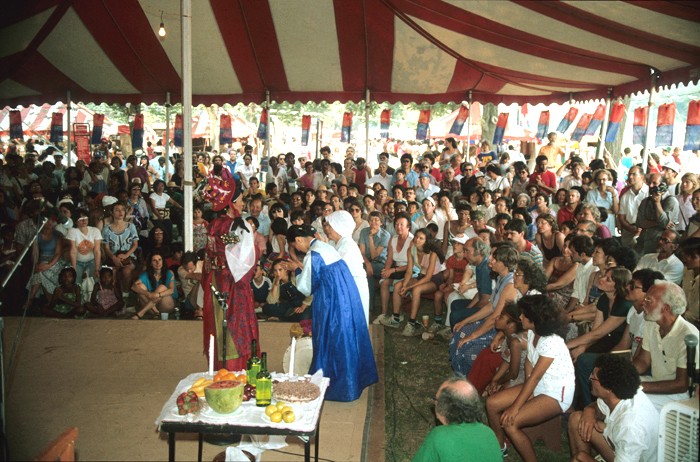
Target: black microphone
(691, 343)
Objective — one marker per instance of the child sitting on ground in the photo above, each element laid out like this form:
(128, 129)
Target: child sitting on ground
(261, 285)
(455, 265)
(106, 299)
(502, 365)
(65, 300)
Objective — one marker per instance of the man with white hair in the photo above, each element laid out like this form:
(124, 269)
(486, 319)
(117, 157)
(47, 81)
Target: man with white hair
(663, 349)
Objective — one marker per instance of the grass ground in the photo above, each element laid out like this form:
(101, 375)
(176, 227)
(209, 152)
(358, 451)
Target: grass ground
(413, 370)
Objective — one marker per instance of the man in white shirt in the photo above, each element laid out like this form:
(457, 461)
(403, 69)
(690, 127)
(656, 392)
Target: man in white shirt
(628, 419)
(629, 203)
(429, 216)
(581, 252)
(641, 282)
(663, 348)
(665, 261)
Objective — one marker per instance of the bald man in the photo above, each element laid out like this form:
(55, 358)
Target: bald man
(462, 435)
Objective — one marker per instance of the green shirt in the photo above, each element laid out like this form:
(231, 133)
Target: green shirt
(459, 443)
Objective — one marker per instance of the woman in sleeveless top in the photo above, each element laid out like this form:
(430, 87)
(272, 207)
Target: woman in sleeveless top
(548, 237)
(396, 261)
(561, 273)
(424, 253)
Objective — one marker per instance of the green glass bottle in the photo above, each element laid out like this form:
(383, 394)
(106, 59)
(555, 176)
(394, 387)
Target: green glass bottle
(253, 365)
(263, 390)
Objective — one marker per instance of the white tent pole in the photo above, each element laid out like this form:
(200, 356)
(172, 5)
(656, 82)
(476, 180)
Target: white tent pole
(68, 119)
(647, 137)
(604, 125)
(318, 135)
(167, 137)
(465, 155)
(367, 101)
(186, 13)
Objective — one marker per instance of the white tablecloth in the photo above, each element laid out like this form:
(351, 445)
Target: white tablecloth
(248, 414)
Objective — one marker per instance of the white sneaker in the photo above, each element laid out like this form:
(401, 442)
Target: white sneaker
(378, 319)
(389, 321)
(435, 328)
(412, 330)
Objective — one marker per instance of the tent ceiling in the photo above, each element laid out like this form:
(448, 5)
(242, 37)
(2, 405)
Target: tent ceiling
(328, 50)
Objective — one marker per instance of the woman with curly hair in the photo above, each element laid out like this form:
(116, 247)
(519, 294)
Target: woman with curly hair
(608, 326)
(549, 385)
(548, 238)
(425, 253)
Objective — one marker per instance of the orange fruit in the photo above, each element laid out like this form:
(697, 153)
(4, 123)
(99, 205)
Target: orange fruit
(229, 376)
(243, 378)
(222, 372)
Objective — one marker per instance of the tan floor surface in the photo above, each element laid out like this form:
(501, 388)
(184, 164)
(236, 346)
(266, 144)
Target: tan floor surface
(111, 378)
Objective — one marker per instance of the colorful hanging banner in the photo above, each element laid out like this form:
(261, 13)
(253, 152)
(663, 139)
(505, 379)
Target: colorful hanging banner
(384, 121)
(347, 127)
(616, 114)
(225, 133)
(137, 133)
(664, 124)
(567, 120)
(692, 128)
(305, 129)
(56, 127)
(460, 120)
(423, 124)
(543, 125)
(97, 123)
(500, 128)
(262, 126)
(16, 124)
(178, 134)
(596, 120)
(639, 126)
(580, 129)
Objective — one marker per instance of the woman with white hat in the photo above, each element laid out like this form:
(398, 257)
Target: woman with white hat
(339, 230)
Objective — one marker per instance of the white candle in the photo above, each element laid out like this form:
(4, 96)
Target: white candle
(291, 356)
(211, 355)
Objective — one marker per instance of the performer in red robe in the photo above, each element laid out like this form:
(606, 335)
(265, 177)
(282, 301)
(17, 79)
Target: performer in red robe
(229, 265)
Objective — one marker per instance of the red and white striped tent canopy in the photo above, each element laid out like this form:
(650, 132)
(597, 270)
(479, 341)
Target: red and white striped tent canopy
(36, 120)
(302, 50)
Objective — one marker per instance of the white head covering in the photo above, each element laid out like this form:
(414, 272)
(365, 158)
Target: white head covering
(342, 222)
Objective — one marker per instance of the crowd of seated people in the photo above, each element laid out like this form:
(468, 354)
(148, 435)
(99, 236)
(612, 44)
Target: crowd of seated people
(471, 234)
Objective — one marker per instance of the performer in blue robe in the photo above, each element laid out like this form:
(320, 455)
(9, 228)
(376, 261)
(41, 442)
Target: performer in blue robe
(340, 336)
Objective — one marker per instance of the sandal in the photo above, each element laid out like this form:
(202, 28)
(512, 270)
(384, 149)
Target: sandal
(136, 317)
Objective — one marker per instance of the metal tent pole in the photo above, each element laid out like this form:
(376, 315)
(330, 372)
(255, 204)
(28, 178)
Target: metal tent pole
(647, 137)
(186, 13)
(167, 137)
(68, 98)
(465, 155)
(367, 102)
(604, 125)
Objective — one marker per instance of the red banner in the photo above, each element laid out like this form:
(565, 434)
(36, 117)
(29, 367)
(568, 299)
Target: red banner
(384, 122)
(423, 124)
(16, 124)
(305, 128)
(639, 127)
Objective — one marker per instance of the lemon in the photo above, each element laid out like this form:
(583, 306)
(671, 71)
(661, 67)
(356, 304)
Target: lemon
(271, 409)
(289, 416)
(280, 405)
(276, 417)
(286, 409)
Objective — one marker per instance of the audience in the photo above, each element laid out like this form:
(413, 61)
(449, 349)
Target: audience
(479, 221)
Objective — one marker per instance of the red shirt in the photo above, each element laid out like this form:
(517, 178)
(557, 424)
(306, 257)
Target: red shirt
(457, 266)
(548, 178)
(565, 215)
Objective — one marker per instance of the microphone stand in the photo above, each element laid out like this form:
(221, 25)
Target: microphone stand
(222, 298)
(4, 450)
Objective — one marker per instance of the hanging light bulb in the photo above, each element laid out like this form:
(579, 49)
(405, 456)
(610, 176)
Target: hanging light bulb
(161, 29)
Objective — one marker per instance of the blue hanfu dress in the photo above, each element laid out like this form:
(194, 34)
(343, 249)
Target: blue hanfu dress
(340, 336)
